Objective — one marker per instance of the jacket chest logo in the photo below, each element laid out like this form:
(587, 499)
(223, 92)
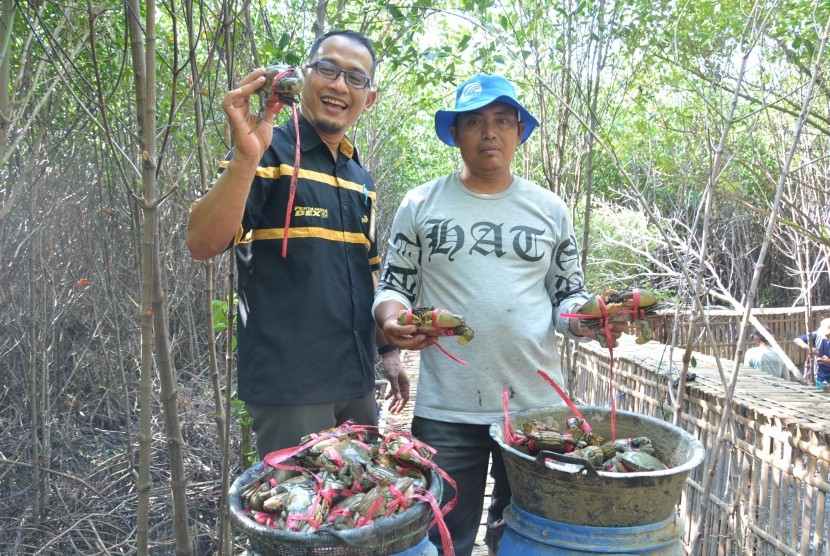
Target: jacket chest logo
(317, 212)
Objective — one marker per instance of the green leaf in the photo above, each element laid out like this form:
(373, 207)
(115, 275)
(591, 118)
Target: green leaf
(395, 11)
(693, 362)
(810, 47)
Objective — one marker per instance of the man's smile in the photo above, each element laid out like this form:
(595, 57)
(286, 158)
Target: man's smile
(334, 102)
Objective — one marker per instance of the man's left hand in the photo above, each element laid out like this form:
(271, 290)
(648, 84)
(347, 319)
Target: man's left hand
(398, 381)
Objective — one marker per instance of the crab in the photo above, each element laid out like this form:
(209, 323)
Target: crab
(633, 461)
(641, 443)
(438, 322)
(304, 508)
(619, 308)
(283, 82)
(544, 436)
(596, 454)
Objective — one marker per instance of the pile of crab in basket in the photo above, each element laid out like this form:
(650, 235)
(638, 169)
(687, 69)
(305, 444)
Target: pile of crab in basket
(344, 478)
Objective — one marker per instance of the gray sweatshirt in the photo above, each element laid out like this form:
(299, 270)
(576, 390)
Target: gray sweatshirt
(508, 263)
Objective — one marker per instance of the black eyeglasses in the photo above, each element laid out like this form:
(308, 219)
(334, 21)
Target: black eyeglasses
(327, 70)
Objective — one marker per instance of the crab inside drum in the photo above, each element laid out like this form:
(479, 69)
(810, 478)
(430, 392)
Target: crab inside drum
(623, 512)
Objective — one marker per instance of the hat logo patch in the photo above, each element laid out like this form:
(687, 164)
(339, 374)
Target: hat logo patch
(468, 93)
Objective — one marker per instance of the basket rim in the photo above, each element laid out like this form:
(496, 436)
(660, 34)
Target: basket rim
(695, 457)
(408, 517)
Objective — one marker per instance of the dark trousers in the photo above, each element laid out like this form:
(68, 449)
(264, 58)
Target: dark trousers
(281, 426)
(464, 451)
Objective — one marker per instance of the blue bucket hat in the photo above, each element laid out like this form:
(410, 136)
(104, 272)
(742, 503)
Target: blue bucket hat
(478, 91)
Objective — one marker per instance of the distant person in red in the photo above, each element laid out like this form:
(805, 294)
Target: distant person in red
(818, 344)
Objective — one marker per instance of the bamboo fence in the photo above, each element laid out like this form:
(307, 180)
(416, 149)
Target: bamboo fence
(770, 485)
(784, 323)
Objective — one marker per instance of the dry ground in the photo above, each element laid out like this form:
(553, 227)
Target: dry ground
(92, 501)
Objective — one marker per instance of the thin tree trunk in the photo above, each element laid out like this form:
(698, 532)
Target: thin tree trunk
(6, 23)
(727, 418)
(593, 93)
(152, 284)
(48, 300)
(226, 430)
(224, 542)
(145, 433)
(169, 399)
(34, 420)
(320, 22)
(37, 386)
(153, 309)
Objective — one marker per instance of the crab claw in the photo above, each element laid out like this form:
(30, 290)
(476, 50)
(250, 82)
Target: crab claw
(646, 333)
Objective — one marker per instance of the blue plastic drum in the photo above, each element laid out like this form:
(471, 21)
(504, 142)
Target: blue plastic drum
(531, 535)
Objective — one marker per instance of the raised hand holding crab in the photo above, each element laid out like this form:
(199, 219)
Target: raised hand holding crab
(619, 308)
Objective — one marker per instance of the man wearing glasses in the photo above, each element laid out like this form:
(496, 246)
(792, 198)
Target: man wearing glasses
(306, 336)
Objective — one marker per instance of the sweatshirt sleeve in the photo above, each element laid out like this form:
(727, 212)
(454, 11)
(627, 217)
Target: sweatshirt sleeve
(401, 277)
(565, 281)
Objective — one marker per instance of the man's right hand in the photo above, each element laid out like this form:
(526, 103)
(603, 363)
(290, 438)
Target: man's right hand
(404, 336)
(251, 139)
(215, 218)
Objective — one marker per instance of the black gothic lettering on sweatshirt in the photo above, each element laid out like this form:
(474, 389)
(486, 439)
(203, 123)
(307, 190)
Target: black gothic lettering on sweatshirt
(443, 238)
(487, 239)
(403, 279)
(566, 253)
(526, 243)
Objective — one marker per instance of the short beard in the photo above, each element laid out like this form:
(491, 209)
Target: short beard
(328, 126)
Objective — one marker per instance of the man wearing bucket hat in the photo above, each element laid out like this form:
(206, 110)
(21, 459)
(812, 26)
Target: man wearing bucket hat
(818, 345)
(500, 250)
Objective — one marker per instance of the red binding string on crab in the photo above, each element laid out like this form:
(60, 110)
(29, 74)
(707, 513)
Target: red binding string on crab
(439, 330)
(509, 436)
(427, 496)
(585, 426)
(605, 326)
(293, 187)
(275, 459)
(398, 501)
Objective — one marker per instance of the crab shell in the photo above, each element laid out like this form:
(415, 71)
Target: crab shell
(641, 443)
(429, 319)
(342, 515)
(408, 451)
(551, 441)
(304, 502)
(287, 88)
(534, 426)
(615, 301)
(634, 461)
